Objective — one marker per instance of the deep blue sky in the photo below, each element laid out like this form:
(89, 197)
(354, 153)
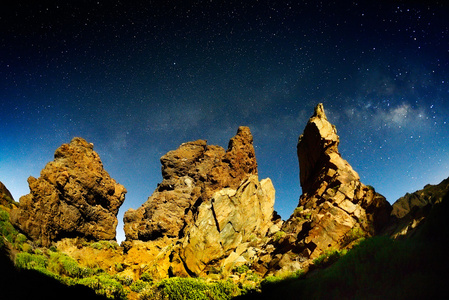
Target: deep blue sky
(137, 79)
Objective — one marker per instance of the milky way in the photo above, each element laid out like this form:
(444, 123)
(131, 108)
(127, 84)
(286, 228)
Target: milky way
(139, 79)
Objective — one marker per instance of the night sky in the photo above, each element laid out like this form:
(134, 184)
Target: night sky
(137, 79)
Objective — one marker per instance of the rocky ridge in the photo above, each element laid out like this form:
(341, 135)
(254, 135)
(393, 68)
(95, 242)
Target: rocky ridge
(411, 210)
(73, 197)
(211, 213)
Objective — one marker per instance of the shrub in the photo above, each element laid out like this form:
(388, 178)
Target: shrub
(105, 285)
(27, 248)
(6, 229)
(25, 260)
(20, 238)
(4, 216)
(138, 286)
(63, 264)
(240, 269)
(270, 280)
(146, 277)
(253, 277)
(279, 235)
(103, 245)
(119, 267)
(125, 280)
(193, 288)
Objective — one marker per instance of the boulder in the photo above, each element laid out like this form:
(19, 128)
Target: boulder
(73, 197)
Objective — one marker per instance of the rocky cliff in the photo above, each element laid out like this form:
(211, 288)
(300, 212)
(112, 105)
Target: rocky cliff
(334, 209)
(74, 196)
(209, 203)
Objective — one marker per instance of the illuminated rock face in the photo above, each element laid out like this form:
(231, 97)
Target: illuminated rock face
(335, 207)
(73, 197)
(209, 203)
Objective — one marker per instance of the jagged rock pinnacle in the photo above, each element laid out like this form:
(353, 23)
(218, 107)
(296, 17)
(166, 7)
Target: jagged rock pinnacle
(334, 203)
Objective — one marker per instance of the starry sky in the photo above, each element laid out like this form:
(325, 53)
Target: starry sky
(138, 78)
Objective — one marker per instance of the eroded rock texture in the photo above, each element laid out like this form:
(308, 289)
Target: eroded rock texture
(335, 207)
(74, 196)
(210, 200)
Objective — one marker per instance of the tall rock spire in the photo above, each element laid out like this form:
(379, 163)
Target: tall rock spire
(335, 208)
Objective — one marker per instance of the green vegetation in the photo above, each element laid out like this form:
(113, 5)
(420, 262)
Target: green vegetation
(103, 245)
(240, 269)
(146, 277)
(65, 269)
(377, 268)
(8, 231)
(195, 288)
(105, 285)
(139, 285)
(278, 235)
(328, 258)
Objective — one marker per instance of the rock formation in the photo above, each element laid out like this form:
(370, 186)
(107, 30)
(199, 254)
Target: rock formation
(413, 209)
(334, 208)
(6, 198)
(210, 200)
(74, 196)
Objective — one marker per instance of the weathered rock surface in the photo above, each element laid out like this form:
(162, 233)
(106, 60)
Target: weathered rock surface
(210, 201)
(334, 208)
(191, 175)
(73, 197)
(6, 198)
(413, 209)
(230, 218)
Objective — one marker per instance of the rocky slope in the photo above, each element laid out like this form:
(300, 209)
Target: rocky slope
(209, 205)
(334, 209)
(74, 196)
(411, 210)
(6, 198)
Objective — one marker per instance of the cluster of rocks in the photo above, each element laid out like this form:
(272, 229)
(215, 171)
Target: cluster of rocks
(209, 203)
(211, 213)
